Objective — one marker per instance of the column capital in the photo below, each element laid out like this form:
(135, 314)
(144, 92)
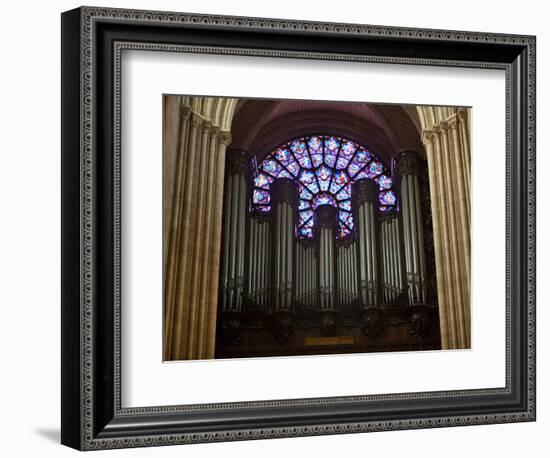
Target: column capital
(225, 137)
(285, 190)
(185, 112)
(428, 136)
(407, 162)
(365, 190)
(453, 122)
(237, 161)
(196, 120)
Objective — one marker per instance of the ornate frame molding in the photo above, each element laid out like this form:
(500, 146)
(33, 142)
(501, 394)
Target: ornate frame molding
(92, 414)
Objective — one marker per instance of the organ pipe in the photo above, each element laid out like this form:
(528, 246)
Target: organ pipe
(364, 195)
(237, 170)
(285, 201)
(391, 256)
(326, 220)
(415, 262)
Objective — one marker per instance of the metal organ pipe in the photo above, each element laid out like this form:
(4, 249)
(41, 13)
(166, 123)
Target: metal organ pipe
(415, 263)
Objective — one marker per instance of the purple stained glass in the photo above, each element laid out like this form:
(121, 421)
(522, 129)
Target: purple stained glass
(263, 208)
(348, 148)
(330, 159)
(262, 181)
(306, 232)
(375, 168)
(305, 194)
(314, 144)
(304, 161)
(305, 216)
(362, 156)
(306, 177)
(317, 160)
(342, 162)
(283, 155)
(341, 178)
(324, 199)
(324, 173)
(353, 168)
(387, 198)
(298, 146)
(332, 143)
(260, 197)
(271, 166)
(293, 168)
(345, 205)
(384, 182)
(334, 187)
(344, 193)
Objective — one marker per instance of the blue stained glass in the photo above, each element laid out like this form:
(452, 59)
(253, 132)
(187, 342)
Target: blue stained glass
(262, 181)
(332, 143)
(283, 155)
(298, 146)
(293, 168)
(362, 156)
(375, 168)
(306, 177)
(341, 178)
(330, 159)
(384, 182)
(263, 208)
(325, 170)
(317, 159)
(304, 161)
(387, 198)
(353, 169)
(271, 166)
(306, 232)
(334, 187)
(342, 162)
(345, 205)
(344, 193)
(260, 197)
(305, 216)
(314, 187)
(348, 148)
(314, 144)
(324, 199)
(305, 194)
(324, 173)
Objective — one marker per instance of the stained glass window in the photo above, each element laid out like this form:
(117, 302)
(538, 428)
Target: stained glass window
(325, 166)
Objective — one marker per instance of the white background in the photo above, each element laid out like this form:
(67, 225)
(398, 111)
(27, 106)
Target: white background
(30, 245)
(147, 76)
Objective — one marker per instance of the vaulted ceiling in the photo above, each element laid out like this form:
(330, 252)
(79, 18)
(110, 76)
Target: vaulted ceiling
(260, 125)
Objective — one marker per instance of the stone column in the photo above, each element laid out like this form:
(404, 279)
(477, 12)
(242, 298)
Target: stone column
(284, 197)
(413, 232)
(190, 282)
(364, 194)
(326, 226)
(447, 147)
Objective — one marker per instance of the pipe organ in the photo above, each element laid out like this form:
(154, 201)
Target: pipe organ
(326, 228)
(413, 236)
(390, 243)
(306, 278)
(267, 268)
(347, 268)
(259, 255)
(285, 202)
(365, 204)
(234, 220)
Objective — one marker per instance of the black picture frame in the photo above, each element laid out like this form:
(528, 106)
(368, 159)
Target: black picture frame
(92, 416)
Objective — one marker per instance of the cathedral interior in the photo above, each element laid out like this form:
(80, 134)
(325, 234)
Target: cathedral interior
(296, 227)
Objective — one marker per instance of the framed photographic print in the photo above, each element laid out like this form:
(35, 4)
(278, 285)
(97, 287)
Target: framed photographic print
(276, 228)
